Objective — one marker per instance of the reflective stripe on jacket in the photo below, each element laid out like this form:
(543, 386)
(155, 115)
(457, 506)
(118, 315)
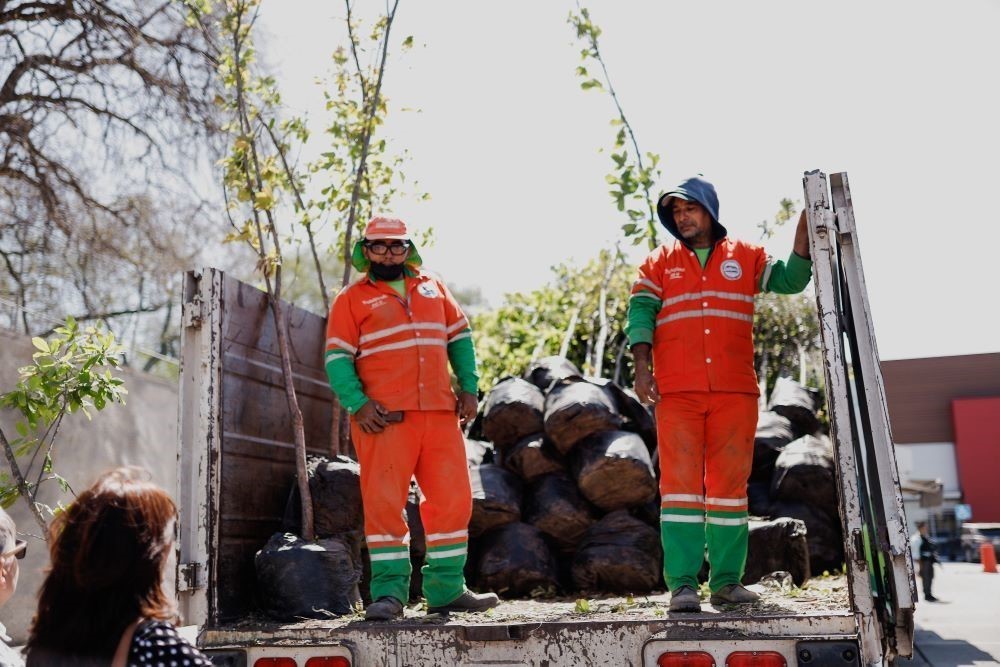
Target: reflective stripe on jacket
(703, 340)
(399, 346)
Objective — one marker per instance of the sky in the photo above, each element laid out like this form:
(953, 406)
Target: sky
(903, 96)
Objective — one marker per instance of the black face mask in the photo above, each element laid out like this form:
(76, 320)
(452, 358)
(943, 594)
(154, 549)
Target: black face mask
(386, 271)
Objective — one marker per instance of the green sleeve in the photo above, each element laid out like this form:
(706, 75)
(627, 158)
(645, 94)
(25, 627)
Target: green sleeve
(462, 355)
(642, 310)
(787, 278)
(344, 381)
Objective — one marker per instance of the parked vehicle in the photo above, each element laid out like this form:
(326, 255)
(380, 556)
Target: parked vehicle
(974, 535)
(236, 468)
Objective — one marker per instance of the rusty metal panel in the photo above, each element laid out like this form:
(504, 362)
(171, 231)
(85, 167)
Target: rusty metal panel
(623, 642)
(824, 252)
(199, 432)
(875, 416)
(257, 468)
(871, 500)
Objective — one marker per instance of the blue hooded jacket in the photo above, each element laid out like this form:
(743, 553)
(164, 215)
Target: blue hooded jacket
(695, 189)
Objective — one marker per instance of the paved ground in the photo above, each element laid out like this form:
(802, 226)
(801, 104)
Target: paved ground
(964, 627)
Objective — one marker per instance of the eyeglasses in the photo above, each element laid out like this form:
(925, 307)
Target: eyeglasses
(379, 248)
(18, 552)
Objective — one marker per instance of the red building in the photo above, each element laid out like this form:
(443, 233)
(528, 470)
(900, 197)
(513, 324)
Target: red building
(945, 417)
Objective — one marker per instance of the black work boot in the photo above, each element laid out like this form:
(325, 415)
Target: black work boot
(734, 594)
(386, 608)
(468, 601)
(685, 598)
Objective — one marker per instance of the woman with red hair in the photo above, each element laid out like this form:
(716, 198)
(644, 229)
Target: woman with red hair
(103, 600)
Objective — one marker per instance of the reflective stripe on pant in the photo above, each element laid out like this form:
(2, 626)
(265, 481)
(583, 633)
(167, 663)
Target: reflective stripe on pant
(428, 445)
(706, 451)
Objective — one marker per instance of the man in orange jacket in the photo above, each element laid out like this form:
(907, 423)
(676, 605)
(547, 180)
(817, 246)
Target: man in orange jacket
(390, 337)
(692, 307)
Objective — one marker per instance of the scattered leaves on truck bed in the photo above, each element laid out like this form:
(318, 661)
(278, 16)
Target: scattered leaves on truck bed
(820, 595)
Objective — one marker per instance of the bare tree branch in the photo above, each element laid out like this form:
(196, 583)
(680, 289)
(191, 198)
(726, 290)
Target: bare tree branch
(22, 484)
(366, 144)
(90, 88)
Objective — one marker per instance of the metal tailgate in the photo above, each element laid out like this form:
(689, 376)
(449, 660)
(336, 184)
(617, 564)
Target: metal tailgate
(879, 566)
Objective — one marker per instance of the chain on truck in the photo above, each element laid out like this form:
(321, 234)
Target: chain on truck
(234, 467)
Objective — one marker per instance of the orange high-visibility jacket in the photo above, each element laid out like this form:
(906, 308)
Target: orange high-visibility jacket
(400, 347)
(703, 339)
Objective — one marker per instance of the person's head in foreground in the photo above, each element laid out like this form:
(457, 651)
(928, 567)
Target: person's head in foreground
(108, 551)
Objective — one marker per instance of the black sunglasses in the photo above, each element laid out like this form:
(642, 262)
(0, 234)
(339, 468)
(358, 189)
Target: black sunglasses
(380, 248)
(19, 550)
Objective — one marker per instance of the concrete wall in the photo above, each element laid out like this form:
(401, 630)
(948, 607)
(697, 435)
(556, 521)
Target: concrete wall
(143, 432)
(929, 460)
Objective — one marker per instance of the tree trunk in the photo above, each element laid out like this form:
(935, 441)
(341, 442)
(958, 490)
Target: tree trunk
(570, 330)
(346, 444)
(762, 381)
(22, 485)
(802, 365)
(254, 183)
(619, 359)
(335, 411)
(298, 425)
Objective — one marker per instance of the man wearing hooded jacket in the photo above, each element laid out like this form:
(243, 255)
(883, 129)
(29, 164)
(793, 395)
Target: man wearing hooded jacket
(690, 328)
(390, 337)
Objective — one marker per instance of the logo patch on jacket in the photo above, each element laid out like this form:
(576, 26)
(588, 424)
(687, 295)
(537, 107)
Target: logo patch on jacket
(376, 302)
(675, 273)
(429, 290)
(731, 269)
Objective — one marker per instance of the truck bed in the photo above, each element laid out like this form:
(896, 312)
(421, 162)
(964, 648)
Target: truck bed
(237, 467)
(821, 605)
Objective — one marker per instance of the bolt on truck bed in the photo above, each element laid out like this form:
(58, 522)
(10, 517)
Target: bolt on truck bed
(236, 468)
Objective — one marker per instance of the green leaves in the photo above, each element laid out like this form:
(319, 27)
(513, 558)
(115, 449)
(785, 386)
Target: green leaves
(633, 179)
(784, 326)
(70, 372)
(264, 200)
(786, 209)
(533, 324)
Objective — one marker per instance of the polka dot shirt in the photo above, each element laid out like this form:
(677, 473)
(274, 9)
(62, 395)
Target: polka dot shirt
(158, 644)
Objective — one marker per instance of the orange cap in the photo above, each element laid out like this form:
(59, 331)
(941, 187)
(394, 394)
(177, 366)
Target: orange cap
(382, 229)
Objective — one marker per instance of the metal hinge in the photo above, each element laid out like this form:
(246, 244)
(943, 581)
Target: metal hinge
(191, 576)
(193, 313)
(859, 547)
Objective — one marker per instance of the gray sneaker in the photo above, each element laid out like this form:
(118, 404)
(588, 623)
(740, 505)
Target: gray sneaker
(734, 594)
(386, 608)
(468, 601)
(685, 599)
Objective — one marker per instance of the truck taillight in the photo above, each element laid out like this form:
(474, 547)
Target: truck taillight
(275, 662)
(328, 661)
(686, 659)
(756, 659)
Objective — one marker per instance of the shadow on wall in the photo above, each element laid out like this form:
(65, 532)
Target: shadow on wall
(143, 432)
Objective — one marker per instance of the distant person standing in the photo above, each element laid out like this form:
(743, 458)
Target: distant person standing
(924, 553)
